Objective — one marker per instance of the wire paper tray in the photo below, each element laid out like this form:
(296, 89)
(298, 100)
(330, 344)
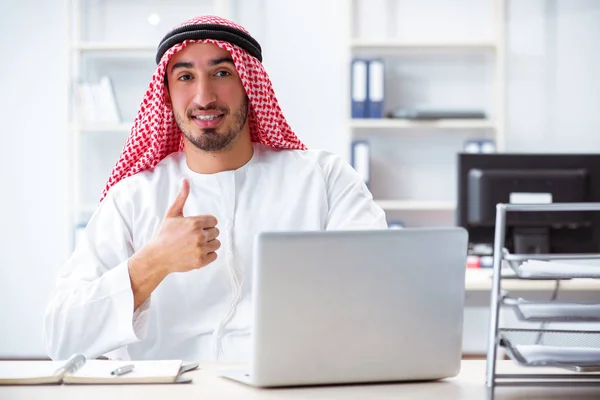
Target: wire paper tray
(553, 311)
(573, 350)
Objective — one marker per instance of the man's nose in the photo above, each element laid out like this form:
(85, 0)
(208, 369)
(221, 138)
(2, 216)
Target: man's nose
(205, 93)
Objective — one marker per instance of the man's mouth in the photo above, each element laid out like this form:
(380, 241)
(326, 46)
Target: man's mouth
(207, 117)
(208, 120)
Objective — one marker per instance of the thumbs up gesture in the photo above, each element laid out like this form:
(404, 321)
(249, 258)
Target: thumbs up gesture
(183, 243)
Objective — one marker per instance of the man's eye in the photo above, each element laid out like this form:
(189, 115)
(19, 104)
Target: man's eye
(223, 73)
(184, 77)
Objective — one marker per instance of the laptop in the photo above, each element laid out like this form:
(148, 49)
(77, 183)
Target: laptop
(335, 307)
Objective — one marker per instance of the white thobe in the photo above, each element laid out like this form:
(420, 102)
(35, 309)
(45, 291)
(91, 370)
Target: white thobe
(203, 314)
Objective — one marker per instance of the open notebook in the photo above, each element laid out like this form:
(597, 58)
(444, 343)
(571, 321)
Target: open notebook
(78, 370)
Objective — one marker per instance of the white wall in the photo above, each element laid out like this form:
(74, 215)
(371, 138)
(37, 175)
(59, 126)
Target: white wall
(554, 88)
(305, 54)
(33, 167)
(306, 58)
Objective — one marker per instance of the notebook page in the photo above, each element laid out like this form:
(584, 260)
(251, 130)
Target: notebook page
(101, 369)
(28, 369)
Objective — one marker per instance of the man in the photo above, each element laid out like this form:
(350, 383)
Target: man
(164, 268)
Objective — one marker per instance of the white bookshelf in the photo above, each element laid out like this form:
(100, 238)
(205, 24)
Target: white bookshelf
(414, 205)
(399, 45)
(99, 46)
(405, 184)
(97, 127)
(389, 123)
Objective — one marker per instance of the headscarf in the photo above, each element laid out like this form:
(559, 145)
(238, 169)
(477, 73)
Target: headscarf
(155, 133)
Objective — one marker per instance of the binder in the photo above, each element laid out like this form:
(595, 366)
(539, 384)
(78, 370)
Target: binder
(361, 159)
(487, 146)
(479, 146)
(396, 224)
(375, 88)
(472, 146)
(359, 81)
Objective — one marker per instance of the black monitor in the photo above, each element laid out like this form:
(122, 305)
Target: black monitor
(485, 180)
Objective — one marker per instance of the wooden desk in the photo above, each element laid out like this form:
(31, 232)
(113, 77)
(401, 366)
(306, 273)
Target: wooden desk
(469, 384)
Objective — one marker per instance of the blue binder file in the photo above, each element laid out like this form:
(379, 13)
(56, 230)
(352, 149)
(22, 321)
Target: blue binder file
(376, 88)
(359, 81)
(395, 224)
(361, 159)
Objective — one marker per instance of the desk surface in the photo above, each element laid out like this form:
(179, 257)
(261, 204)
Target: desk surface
(469, 384)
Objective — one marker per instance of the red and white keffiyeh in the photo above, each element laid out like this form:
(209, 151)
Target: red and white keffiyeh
(155, 133)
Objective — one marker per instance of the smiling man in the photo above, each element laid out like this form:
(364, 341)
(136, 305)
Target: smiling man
(164, 267)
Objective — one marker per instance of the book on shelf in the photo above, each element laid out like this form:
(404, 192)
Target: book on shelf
(97, 102)
(360, 159)
(79, 370)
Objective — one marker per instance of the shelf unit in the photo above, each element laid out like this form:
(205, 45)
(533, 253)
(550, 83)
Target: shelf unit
(396, 133)
(394, 45)
(397, 124)
(99, 46)
(574, 350)
(117, 39)
(415, 205)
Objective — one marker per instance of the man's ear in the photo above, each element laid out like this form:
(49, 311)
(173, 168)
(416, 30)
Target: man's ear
(167, 96)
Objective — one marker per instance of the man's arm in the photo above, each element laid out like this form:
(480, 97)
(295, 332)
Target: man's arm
(104, 290)
(91, 310)
(351, 204)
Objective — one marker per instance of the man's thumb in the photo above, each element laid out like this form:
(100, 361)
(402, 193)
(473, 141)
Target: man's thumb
(176, 209)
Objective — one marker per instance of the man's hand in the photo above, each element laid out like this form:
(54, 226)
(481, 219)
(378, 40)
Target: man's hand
(181, 244)
(185, 243)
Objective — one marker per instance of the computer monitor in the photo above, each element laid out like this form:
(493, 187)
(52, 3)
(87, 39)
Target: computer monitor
(485, 180)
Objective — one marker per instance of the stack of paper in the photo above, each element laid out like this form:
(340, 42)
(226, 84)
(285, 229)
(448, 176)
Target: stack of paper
(553, 269)
(538, 354)
(558, 311)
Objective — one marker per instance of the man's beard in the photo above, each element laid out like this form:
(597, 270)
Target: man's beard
(210, 139)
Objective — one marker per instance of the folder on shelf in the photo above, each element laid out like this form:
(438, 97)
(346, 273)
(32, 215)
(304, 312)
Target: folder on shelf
(479, 146)
(79, 370)
(359, 87)
(487, 146)
(108, 102)
(97, 102)
(375, 88)
(361, 159)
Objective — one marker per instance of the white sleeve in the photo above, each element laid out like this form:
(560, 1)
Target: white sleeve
(351, 204)
(91, 309)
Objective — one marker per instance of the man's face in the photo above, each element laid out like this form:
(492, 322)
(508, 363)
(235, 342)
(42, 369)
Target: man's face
(207, 96)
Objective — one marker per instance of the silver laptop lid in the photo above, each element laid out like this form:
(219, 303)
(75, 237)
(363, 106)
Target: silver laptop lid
(358, 306)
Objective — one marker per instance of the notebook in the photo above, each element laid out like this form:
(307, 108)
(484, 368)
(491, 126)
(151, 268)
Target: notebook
(79, 370)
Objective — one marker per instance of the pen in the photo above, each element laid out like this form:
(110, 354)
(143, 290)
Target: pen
(122, 370)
